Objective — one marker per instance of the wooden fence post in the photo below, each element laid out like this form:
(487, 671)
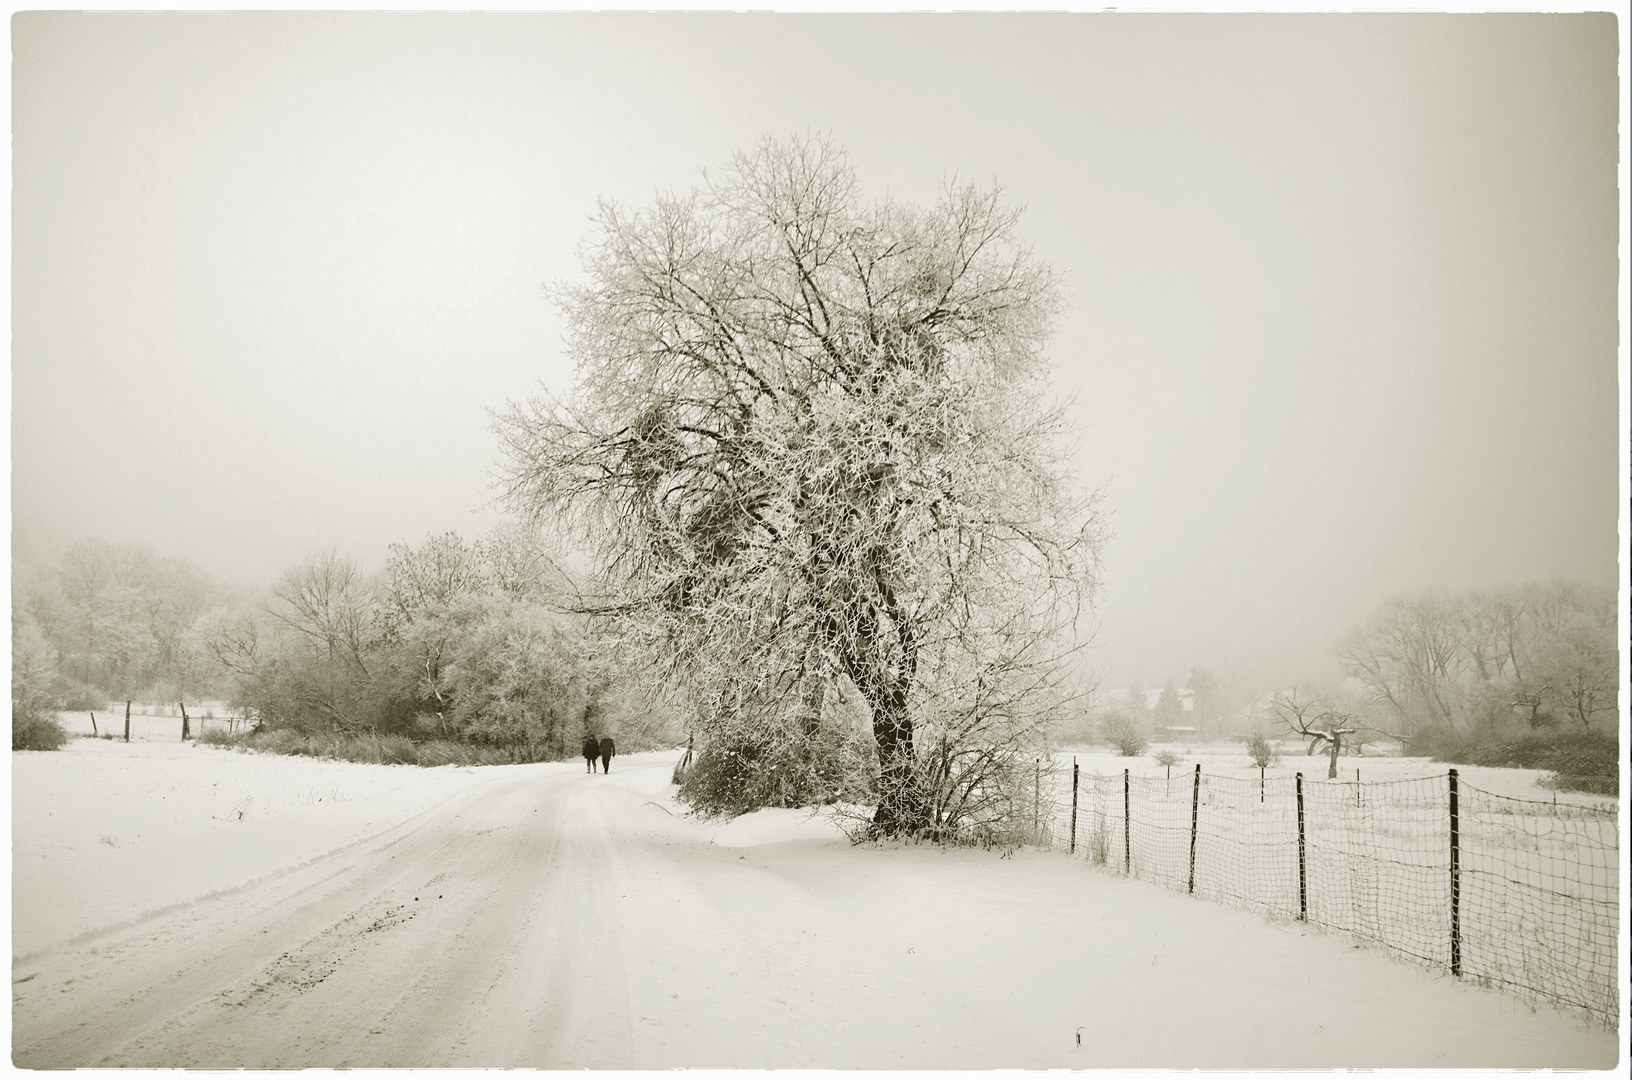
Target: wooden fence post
(127, 721)
(1456, 879)
(1195, 806)
(1127, 826)
(93, 726)
(185, 733)
(1073, 806)
(1303, 881)
(1036, 799)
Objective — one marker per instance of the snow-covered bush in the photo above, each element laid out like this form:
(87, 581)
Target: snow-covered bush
(36, 732)
(1126, 735)
(741, 772)
(1261, 750)
(33, 694)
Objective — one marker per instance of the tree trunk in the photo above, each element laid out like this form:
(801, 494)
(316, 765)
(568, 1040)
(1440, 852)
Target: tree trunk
(1337, 747)
(903, 809)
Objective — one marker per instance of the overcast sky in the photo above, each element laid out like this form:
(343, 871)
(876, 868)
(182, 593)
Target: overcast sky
(1343, 308)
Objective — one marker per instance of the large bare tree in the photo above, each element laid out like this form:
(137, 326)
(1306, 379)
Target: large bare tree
(809, 446)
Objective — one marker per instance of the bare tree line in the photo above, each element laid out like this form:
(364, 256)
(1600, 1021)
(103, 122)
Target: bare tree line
(1447, 660)
(453, 641)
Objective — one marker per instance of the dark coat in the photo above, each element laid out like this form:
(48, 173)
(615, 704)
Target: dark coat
(592, 749)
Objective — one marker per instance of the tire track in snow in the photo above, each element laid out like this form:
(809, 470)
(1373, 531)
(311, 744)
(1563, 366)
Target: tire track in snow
(148, 995)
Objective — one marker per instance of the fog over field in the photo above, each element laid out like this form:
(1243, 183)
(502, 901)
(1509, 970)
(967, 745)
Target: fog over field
(707, 540)
(1341, 289)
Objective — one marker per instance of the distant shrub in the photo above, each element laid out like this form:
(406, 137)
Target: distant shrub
(371, 749)
(1123, 733)
(78, 697)
(439, 752)
(1597, 755)
(1567, 752)
(1075, 730)
(396, 750)
(278, 741)
(1168, 758)
(1261, 750)
(36, 731)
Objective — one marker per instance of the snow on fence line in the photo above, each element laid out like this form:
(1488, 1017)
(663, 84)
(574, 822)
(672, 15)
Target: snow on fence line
(1512, 893)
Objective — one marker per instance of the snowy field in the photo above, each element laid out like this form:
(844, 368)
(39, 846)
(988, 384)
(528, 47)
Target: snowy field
(104, 833)
(769, 941)
(151, 723)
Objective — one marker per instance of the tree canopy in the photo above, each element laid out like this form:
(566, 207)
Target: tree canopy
(1450, 661)
(811, 454)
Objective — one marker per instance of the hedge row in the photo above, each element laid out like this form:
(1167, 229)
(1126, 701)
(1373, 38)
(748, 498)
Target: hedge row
(374, 749)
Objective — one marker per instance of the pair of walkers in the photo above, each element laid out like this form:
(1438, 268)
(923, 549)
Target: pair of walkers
(604, 749)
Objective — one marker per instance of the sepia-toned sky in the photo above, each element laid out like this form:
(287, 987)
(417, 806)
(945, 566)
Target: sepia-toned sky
(1343, 288)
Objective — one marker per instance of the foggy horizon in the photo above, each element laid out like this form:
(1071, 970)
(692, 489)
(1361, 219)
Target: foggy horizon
(1341, 325)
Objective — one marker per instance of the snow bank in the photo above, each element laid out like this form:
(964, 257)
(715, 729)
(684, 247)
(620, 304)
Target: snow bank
(773, 826)
(104, 832)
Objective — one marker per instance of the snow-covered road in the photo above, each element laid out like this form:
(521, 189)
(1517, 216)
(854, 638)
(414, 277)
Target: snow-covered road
(540, 917)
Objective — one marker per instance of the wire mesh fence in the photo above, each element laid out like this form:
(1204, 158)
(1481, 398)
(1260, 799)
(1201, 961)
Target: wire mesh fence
(1592, 785)
(1513, 893)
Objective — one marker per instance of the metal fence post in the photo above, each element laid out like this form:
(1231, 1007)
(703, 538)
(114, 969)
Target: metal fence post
(1303, 881)
(1195, 806)
(1073, 806)
(1456, 882)
(1127, 827)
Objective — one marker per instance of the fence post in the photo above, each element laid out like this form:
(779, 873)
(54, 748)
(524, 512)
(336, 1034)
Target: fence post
(1127, 827)
(1303, 880)
(1456, 883)
(1036, 798)
(1073, 806)
(93, 724)
(1260, 783)
(127, 721)
(185, 733)
(1195, 805)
